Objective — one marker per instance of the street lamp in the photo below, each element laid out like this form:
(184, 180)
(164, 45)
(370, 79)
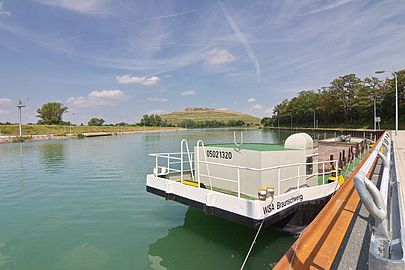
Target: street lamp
(396, 98)
(70, 124)
(291, 121)
(20, 106)
(314, 118)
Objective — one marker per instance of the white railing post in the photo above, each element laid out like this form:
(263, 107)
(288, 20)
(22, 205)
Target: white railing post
(278, 181)
(157, 168)
(197, 166)
(323, 173)
(238, 183)
(181, 162)
(298, 176)
(168, 163)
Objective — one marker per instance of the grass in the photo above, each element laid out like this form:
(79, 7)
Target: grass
(203, 114)
(60, 130)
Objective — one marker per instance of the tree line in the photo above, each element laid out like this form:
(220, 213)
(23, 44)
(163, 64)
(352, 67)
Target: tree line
(157, 121)
(347, 101)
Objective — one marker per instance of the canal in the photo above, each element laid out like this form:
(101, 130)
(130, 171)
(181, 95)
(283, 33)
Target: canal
(82, 204)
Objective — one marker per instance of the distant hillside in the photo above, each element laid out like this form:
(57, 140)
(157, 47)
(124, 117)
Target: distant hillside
(203, 114)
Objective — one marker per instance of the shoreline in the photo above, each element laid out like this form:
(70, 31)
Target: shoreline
(72, 136)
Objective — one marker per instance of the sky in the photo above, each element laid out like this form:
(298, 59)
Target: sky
(121, 59)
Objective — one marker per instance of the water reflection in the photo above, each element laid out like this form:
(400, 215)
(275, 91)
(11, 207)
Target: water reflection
(208, 242)
(53, 156)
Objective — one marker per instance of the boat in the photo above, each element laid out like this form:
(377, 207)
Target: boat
(283, 186)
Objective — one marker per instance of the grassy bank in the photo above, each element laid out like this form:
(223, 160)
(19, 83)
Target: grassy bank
(62, 130)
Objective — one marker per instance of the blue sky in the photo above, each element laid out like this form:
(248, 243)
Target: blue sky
(120, 59)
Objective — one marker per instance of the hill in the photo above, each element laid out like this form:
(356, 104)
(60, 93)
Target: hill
(204, 114)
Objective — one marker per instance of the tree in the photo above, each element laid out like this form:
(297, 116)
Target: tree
(51, 113)
(96, 121)
(153, 121)
(266, 121)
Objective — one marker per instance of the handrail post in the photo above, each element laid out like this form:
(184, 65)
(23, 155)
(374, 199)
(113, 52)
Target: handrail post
(156, 165)
(168, 163)
(278, 181)
(181, 161)
(197, 166)
(298, 176)
(323, 173)
(238, 183)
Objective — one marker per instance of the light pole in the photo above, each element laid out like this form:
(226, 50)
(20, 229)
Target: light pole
(291, 121)
(396, 99)
(375, 115)
(70, 125)
(20, 106)
(314, 118)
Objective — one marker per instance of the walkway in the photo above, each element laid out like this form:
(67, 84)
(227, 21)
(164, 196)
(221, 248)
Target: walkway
(399, 144)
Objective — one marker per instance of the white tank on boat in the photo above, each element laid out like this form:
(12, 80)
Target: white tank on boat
(256, 157)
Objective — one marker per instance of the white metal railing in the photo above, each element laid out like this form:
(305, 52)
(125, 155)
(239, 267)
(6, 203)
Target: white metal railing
(190, 162)
(171, 163)
(280, 180)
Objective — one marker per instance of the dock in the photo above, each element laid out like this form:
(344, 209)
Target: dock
(345, 235)
(97, 134)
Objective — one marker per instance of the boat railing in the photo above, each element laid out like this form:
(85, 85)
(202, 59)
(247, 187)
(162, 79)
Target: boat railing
(177, 162)
(184, 162)
(298, 176)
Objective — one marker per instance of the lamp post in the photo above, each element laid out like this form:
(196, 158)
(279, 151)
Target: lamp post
(70, 124)
(291, 121)
(20, 106)
(278, 122)
(396, 99)
(314, 118)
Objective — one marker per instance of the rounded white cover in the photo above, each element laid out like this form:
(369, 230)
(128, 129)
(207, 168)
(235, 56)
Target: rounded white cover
(299, 141)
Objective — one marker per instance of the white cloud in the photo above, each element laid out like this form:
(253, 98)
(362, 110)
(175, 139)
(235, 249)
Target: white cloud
(82, 6)
(99, 98)
(127, 79)
(251, 100)
(5, 101)
(219, 56)
(4, 112)
(2, 11)
(257, 107)
(188, 93)
(157, 99)
(157, 111)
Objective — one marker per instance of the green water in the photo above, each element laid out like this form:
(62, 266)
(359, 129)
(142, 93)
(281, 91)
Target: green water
(82, 204)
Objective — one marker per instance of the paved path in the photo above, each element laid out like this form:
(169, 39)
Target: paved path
(399, 144)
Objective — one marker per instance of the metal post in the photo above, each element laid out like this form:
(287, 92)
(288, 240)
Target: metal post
(181, 162)
(396, 103)
(156, 166)
(278, 181)
(168, 163)
(238, 183)
(298, 176)
(375, 116)
(19, 121)
(323, 173)
(291, 122)
(20, 106)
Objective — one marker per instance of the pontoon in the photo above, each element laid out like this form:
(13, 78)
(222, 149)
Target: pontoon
(254, 184)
